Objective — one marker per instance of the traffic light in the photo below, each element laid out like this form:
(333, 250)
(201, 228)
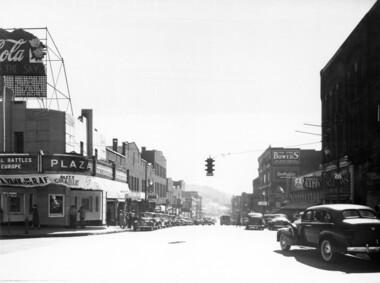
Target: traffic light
(210, 166)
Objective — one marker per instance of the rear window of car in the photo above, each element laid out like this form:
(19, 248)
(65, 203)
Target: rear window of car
(353, 213)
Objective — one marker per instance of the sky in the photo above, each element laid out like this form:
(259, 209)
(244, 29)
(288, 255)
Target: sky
(197, 79)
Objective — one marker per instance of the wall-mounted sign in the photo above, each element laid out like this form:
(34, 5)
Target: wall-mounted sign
(286, 157)
(104, 170)
(312, 182)
(62, 163)
(24, 180)
(18, 163)
(21, 54)
(285, 174)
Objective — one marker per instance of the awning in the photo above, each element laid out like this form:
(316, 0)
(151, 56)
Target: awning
(114, 189)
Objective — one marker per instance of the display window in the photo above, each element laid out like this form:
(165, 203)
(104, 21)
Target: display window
(86, 203)
(56, 205)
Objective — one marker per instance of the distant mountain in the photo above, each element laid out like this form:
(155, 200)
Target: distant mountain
(214, 202)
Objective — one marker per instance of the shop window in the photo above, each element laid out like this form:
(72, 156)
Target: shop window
(97, 204)
(56, 205)
(15, 204)
(86, 204)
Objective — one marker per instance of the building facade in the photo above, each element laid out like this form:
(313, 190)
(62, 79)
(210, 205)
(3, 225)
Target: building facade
(350, 97)
(277, 168)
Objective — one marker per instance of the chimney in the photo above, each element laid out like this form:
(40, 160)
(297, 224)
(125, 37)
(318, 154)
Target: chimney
(114, 144)
(124, 151)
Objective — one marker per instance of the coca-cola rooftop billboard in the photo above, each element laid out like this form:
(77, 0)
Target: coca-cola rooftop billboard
(21, 54)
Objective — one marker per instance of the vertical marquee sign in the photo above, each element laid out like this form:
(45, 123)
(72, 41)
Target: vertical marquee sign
(21, 62)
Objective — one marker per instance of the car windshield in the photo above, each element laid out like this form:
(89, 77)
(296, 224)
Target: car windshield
(353, 213)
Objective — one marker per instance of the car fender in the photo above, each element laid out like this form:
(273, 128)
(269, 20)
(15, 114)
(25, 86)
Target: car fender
(290, 233)
(339, 241)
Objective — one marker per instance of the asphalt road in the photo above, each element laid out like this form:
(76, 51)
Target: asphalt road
(178, 254)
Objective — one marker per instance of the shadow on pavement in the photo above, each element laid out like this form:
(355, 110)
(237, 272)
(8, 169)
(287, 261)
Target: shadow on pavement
(345, 263)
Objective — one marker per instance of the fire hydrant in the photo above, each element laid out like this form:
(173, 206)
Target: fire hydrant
(26, 225)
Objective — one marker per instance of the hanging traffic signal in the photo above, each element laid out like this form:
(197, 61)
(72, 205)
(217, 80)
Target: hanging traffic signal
(210, 166)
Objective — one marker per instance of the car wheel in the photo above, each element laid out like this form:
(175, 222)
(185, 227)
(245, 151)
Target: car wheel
(327, 251)
(284, 246)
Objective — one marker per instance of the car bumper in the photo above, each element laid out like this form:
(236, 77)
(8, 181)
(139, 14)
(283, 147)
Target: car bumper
(255, 227)
(366, 249)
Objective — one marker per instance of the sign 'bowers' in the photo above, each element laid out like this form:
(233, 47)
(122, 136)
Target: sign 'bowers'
(21, 54)
(286, 156)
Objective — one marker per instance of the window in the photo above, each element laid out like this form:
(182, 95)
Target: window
(366, 213)
(56, 205)
(19, 142)
(307, 216)
(15, 203)
(97, 204)
(86, 204)
(351, 213)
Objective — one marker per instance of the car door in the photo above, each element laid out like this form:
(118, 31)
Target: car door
(304, 227)
(320, 219)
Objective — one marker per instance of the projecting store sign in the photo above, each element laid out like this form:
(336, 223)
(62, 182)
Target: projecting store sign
(21, 54)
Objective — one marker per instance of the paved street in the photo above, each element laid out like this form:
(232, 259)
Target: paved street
(178, 254)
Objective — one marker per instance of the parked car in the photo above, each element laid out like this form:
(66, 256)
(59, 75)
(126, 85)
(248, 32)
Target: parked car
(335, 229)
(278, 222)
(255, 221)
(145, 222)
(225, 220)
(244, 221)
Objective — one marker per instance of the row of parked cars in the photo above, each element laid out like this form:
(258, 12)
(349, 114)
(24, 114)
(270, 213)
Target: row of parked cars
(149, 221)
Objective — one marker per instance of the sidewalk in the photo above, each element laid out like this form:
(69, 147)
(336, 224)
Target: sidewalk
(18, 232)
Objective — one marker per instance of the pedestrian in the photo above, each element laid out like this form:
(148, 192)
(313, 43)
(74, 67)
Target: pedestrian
(73, 217)
(36, 217)
(108, 217)
(238, 222)
(130, 219)
(82, 216)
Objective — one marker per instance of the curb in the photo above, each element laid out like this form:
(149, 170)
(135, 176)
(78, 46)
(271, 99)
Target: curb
(59, 235)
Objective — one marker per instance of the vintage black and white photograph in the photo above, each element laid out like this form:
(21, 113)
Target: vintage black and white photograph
(182, 141)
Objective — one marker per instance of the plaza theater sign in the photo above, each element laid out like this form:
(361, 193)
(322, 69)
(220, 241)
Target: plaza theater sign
(21, 54)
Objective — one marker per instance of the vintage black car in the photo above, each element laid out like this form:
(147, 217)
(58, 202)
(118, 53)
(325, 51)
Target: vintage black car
(255, 221)
(335, 229)
(278, 222)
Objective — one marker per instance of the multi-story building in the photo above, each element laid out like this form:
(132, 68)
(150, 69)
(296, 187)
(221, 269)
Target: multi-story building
(277, 166)
(160, 186)
(52, 170)
(191, 204)
(235, 208)
(350, 96)
(176, 196)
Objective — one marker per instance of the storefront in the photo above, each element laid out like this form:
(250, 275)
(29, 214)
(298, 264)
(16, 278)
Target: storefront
(54, 184)
(338, 185)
